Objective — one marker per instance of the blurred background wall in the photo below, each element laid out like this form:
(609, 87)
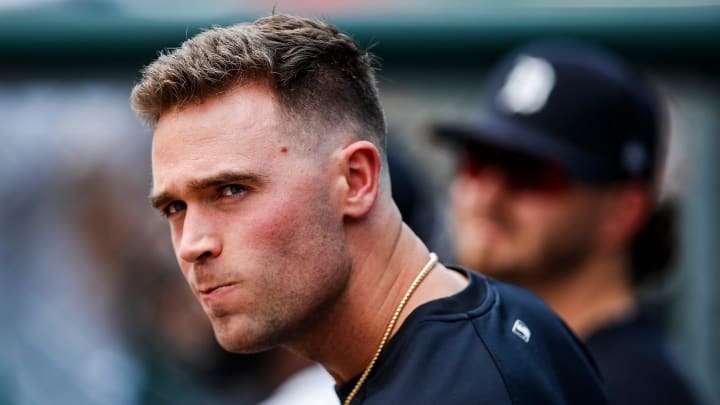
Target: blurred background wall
(93, 308)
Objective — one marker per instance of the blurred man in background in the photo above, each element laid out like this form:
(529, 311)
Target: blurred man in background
(555, 191)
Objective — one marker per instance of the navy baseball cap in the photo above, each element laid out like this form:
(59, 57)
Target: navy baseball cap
(572, 103)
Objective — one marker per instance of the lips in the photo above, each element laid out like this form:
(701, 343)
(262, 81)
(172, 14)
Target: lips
(215, 288)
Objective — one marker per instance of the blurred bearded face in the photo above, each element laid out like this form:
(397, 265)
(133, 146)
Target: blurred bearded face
(519, 219)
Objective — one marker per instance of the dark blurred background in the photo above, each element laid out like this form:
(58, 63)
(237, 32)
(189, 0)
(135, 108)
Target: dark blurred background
(93, 307)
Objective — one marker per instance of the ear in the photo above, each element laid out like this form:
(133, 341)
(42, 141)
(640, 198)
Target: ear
(628, 208)
(361, 171)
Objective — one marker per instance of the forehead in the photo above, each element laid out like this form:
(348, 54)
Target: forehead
(241, 112)
(237, 130)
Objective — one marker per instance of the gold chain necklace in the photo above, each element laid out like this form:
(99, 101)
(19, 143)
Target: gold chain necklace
(420, 277)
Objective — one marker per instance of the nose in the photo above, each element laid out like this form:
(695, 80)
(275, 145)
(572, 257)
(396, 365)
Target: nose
(199, 239)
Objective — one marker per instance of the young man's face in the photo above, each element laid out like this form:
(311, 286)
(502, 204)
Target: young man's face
(253, 222)
(519, 219)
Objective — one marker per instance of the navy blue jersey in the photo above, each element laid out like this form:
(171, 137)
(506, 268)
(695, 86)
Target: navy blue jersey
(491, 343)
(636, 365)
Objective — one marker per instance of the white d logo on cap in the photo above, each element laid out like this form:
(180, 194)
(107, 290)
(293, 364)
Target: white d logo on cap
(528, 86)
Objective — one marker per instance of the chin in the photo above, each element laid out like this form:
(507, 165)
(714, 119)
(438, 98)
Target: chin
(238, 340)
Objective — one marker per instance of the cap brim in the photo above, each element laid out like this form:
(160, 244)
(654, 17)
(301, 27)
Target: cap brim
(518, 138)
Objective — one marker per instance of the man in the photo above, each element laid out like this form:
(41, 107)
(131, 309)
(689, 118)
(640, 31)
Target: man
(268, 162)
(555, 192)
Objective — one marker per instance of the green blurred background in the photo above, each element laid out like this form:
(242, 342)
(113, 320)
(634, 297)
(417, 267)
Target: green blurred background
(93, 308)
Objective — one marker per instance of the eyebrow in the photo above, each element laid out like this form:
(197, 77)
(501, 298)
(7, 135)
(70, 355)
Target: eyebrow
(222, 178)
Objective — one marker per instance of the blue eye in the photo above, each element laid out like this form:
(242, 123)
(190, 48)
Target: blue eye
(173, 208)
(231, 190)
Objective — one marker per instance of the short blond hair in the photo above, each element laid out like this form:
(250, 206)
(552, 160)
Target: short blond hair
(322, 78)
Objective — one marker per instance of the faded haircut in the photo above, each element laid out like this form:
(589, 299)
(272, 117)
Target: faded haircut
(323, 80)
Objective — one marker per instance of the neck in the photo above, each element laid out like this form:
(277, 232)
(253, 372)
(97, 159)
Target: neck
(385, 263)
(592, 296)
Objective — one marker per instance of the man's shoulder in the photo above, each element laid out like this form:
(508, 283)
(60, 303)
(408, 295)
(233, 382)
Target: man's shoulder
(491, 343)
(530, 343)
